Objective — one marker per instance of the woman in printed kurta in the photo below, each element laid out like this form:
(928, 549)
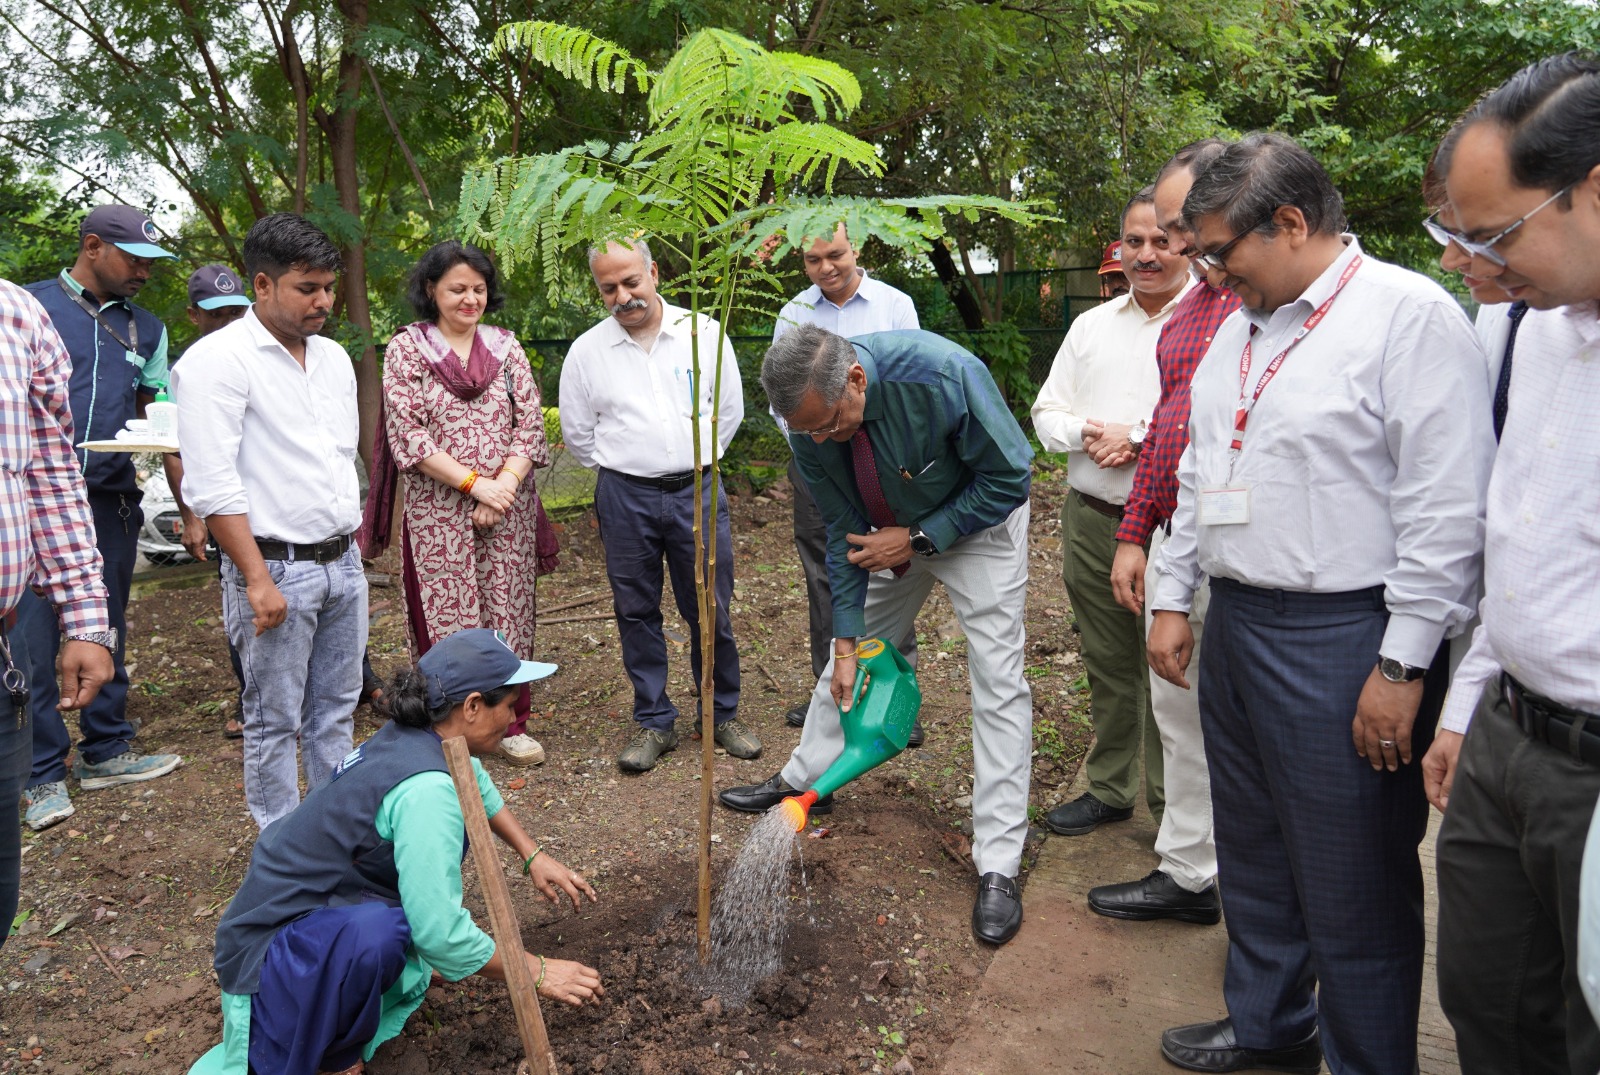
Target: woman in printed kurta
(464, 428)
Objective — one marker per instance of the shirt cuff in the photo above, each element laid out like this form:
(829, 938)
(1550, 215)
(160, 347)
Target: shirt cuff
(1411, 640)
(1138, 523)
(849, 623)
(1171, 595)
(940, 530)
(85, 616)
(1458, 709)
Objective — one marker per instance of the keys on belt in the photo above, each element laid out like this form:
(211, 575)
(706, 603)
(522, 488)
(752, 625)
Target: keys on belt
(1568, 730)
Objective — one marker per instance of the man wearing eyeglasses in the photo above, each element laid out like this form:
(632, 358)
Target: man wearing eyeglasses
(1332, 492)
(1516, 764)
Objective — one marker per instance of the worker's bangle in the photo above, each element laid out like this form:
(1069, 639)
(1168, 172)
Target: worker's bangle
(466, 483)
(529, 860)
(543, 966)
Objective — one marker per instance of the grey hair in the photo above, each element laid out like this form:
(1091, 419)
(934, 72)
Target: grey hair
(802, 360)
(638, 244)
(1257, 175)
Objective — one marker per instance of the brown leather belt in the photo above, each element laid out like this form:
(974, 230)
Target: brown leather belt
(1104, 507)
(1568, 730)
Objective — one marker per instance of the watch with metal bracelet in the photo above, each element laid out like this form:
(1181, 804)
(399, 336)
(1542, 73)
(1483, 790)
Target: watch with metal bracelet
(106, 638)
(1396, 672)
(922, 544)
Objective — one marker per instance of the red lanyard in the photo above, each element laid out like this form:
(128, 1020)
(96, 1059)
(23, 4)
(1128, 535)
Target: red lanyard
(1241, 417)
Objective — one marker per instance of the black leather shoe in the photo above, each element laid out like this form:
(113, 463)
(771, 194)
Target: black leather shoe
(1083, 815)
(917, 736)
(1211, 1047)
(759, 798)
(997, 912)
(1156, 896)
(796, 717)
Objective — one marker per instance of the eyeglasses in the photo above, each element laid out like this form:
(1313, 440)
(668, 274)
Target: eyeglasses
(838, 420)
(1483, 248)
(1213, 262)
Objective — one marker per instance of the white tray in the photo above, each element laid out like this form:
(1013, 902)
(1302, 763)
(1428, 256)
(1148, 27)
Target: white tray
(147, 445)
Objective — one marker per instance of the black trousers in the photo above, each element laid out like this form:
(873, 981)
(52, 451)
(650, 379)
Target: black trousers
(1510, 852)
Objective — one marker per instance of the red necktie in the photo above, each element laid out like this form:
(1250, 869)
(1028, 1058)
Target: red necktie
(867, 484)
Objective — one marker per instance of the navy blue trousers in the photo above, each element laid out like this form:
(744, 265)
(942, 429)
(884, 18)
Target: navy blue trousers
(16, 747)
(103, 723)
(1316, 851)
(322, 986)
(640, 527)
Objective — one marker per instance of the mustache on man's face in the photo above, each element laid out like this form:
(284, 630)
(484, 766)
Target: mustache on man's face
(631, 304)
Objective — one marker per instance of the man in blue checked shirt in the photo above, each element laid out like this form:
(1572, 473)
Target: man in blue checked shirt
(119, 361)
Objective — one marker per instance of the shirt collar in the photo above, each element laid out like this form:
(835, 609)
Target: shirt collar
(1585, 320)
(1319, 290)
(79, 289)
(874, 405)
(1129, 303)
(866, 290)
(674, 325)
(265, 340)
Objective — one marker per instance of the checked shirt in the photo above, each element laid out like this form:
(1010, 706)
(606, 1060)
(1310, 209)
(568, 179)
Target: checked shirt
(1184, 340)
(46, 533)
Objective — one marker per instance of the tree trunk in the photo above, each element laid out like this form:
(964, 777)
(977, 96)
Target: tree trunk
(955, 284)
(347, 182)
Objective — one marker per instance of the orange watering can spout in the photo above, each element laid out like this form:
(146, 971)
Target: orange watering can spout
(796, 807)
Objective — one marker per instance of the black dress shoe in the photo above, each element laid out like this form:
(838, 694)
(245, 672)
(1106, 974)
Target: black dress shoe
(1156, 896)
(917, 736)
(796, 717)
(1211, 1047)
(1083, 815)
(759, 798)
(997, 912)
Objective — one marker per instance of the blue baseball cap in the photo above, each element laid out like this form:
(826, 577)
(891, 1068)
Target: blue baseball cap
(126, 228)
(476, 660)
(211, 286)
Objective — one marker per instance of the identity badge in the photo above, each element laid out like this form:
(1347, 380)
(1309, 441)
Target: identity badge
(1224, 505)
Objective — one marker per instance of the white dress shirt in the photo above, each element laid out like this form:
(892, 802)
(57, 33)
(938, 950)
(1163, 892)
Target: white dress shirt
(631, 410)
(1366, 456)
(264, 437)
(875, 307)
(1541, 604)
(1105, 369)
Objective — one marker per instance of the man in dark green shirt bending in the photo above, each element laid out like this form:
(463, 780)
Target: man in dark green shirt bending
(921, 475)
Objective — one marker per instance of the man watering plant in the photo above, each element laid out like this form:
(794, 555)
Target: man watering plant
(353, 900)
(922, 476)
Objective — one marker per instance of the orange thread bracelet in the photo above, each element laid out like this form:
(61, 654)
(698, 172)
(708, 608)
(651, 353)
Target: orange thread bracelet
(467, 482)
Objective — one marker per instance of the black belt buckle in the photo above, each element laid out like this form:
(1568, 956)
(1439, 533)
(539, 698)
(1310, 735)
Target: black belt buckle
(1558, 726)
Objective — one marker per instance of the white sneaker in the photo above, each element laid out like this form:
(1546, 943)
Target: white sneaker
(521, 750)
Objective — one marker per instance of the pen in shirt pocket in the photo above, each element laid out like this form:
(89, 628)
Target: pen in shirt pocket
(908, 476)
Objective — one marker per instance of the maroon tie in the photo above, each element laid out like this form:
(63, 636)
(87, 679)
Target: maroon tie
(871, 490)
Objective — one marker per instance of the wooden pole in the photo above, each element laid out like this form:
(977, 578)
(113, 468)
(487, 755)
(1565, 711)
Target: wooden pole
(502, 915)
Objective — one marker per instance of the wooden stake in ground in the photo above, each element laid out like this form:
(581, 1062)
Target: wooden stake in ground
(540, 1060)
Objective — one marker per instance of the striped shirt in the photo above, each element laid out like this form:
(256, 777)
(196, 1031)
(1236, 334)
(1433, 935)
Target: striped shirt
(46, 533)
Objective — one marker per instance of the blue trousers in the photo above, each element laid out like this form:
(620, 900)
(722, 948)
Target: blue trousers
(16, 741)
(322, 986)
(1316, 851)
(639, 526)
(103, 723)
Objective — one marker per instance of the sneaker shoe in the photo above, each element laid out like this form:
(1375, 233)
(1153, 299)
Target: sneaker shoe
(521, 749)
(640, 755)
(126, 768)
(738, 740)
(47, 804)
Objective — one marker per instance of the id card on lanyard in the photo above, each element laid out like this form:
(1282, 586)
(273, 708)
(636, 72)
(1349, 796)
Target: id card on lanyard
(1228, 504)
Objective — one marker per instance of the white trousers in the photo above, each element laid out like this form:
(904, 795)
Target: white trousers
(986, 578)
(1184, 841)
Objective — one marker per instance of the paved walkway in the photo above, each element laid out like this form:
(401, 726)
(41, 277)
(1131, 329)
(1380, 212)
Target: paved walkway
(1078, 994)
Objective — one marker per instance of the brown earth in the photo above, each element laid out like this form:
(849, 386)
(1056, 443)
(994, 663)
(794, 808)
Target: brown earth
(110, 970)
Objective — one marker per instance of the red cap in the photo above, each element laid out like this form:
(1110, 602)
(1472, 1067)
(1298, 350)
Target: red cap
(1113, 258)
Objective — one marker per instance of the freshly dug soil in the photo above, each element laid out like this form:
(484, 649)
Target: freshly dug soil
(110, 970)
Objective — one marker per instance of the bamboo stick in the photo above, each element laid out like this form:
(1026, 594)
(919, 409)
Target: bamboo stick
(586, 618)
(587, 599)
(540, 1059)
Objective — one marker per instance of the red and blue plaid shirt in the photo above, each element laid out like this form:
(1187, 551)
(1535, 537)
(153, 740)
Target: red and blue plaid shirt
(1184, 340)
(46, 532)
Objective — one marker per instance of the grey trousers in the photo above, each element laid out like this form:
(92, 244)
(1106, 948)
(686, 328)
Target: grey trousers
(986, 577)
(1185, 843)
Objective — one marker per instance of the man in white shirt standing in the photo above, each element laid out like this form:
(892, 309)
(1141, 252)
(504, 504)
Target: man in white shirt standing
(628, 400)
(1516, 765)
(1096, 406)
(268, 425)
(1332, 491)
(847, 302)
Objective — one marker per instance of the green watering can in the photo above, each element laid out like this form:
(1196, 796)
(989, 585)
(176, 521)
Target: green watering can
(884, 705)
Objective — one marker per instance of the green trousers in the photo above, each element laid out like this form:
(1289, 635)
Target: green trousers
(1113, 654)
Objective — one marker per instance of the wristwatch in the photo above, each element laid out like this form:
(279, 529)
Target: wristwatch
(106, 638)
(1137, 434)
(922, 544)
(1395, 672)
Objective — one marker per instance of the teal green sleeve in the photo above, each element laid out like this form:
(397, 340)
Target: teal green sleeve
(154, 374)
(422, 817)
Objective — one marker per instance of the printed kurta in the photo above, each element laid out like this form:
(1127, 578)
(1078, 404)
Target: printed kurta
(467, 577)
